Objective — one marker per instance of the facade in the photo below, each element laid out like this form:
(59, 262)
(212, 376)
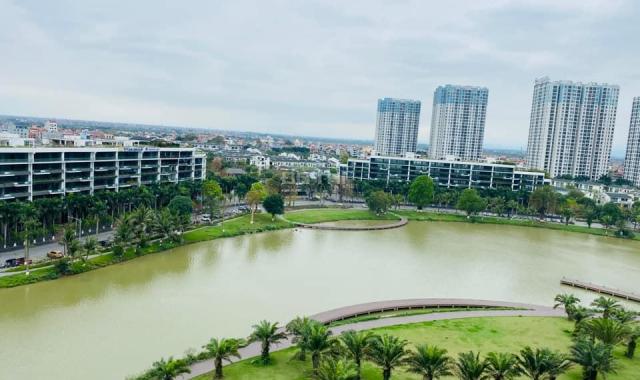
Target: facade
(397, 126)
(457, 122)
(30, 173)
(571, 128)
(632, 158)
(448, 174)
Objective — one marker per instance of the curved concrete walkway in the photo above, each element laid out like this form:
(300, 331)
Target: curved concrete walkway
(322, 226)
(525, 310)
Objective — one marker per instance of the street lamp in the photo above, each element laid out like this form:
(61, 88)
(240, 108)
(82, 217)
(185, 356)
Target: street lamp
(77, 220)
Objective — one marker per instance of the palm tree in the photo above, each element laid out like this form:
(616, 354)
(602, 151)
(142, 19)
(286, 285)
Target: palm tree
(90, 246)
(533, 363)
(431, 362)
(624, 316)
(387, 352)
(470, 367)
(355, 345)
(568, 301)
(634, 334)
(580, 313)
(556, 364)
(163, 223)
(124, 231)
(222, 350)
(595, 358)
(319, 343)
(608, 331)
(169, 369)
(606, 306)
(502, 366)
(299, 328)
(332, 369)
(141, 220)
(68, 235)
(267, 334)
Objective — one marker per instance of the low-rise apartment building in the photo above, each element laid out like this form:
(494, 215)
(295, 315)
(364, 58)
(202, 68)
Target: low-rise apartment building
(30, 173)
(447, 174)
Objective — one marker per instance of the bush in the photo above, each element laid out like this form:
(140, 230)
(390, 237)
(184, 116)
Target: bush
(63, 266)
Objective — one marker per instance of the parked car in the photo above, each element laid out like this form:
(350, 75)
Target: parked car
(55, 254)
(10, 263)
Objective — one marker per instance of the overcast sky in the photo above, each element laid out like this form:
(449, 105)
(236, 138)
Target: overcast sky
(306, 67)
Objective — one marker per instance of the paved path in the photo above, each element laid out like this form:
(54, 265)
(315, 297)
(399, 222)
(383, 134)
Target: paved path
(527, 310)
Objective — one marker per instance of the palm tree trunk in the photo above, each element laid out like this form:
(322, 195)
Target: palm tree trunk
(218, 371)
(265, 352)
(315, 361)
(631, 348)
(386, 374)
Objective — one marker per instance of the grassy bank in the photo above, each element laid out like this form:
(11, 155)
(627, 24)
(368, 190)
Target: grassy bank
(504, 334)
(447, 217)
(233, 227)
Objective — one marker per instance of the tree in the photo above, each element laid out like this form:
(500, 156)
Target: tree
(471, 202)
(568, 301)
(299, 328)
(379, 202)
(470, 367)
(267, 334)
(421, 191)
(29, 232)
(556, 364)
(568, 209)
(431, 362)
(169, 369)
(255, 196)
(90, 246)
(332, 369)
(608, 331)
(610, 215)
(355, 345)
(544, 200)
(67, 235)
(632, 340)
(181, 205)
(274, 205)
(606, 306)
(533, 363)
(502, 366)
(594, 357)
(387, 352)
(222, 350)
(163, 223)
(319, 343)
(212, 194)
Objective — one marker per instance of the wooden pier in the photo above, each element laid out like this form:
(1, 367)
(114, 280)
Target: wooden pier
(629, 296)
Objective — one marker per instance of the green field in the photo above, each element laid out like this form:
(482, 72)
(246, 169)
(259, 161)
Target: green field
(501, 334)
(332, 215)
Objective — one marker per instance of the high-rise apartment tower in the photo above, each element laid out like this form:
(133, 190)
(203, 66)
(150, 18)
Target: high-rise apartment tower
(571, 128)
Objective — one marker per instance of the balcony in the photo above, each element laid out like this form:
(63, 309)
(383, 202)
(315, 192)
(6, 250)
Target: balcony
(47, 159)
(14, 195)
(78, 189)
(112, 158)
(46, 180)
(13, 184)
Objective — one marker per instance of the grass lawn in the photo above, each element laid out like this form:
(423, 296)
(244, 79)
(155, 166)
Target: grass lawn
(502, 334)
(335, 214)
(237, 226)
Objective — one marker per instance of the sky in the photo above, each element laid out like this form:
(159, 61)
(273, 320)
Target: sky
(307, 67)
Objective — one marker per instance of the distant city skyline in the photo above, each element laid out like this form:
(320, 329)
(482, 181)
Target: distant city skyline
(229, 66)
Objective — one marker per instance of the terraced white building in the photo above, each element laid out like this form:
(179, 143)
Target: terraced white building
(30, 173)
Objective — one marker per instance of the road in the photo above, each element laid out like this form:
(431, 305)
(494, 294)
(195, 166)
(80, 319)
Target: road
(40, 251)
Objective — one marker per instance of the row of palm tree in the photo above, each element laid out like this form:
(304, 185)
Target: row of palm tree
(341, 357)
(48, 214)
(606, 321)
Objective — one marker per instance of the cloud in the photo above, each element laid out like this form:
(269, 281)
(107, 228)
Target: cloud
(313, 68)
